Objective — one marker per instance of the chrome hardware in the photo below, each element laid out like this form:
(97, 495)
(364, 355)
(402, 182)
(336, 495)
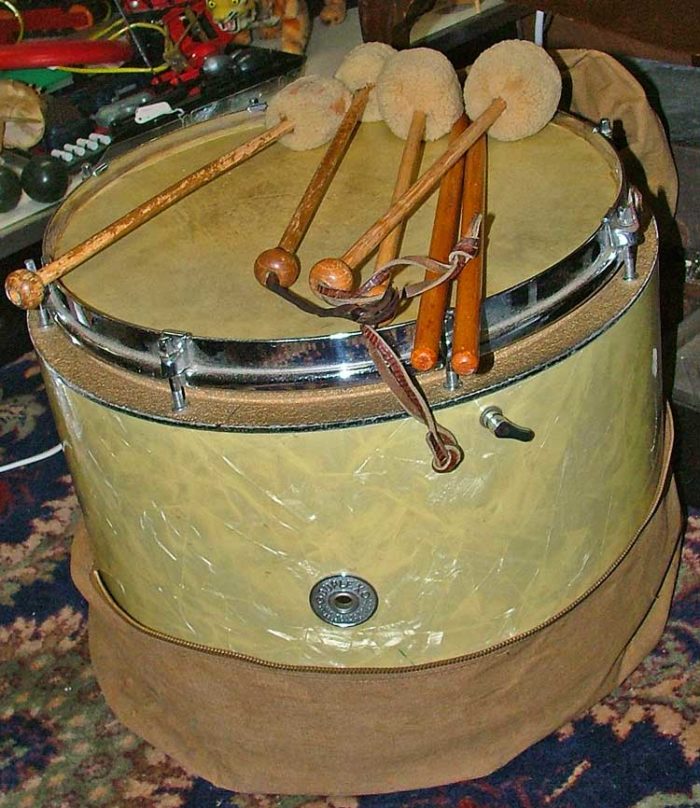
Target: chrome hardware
(343, 600)
(495, 421)
(256, 105)
(44, 319)
(100, 168)
(452, 381)
(623, 230)
(605, 128)
(174, 352)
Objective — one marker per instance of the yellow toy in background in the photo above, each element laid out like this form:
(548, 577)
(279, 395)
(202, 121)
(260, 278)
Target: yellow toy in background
(288, 20)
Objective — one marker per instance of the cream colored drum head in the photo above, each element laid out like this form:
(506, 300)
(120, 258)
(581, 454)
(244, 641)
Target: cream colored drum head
(190, 268)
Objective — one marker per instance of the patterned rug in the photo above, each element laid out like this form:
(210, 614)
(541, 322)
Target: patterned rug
(61, 746)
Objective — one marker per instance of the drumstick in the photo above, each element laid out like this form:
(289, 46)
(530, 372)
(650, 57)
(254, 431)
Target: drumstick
(310, 110)
(509, 75)
(282, 260)
(467, 319)
(431, 311)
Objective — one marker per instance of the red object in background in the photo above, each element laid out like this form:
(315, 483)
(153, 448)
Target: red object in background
(53, 52)
(195, 42)
(45, 20)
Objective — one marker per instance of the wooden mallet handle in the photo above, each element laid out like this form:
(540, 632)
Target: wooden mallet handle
(282, 260)
(338, 272)
(405, 177)
(26, 289)
(470, 284)
(433, 304)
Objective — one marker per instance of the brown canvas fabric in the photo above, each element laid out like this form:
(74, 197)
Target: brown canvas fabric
(597, 86)
(251, 727)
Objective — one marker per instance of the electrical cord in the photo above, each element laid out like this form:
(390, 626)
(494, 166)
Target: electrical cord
(18, 464)
(111, 35)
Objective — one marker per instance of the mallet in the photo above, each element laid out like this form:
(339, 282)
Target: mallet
(519, 88)
(420, 99)
(308, 116)
(358, 72)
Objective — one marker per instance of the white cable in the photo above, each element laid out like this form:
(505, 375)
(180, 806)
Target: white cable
(18, 464)
(539, 27)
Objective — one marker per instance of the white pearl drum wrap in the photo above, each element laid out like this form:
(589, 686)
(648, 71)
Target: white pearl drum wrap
(216, 536)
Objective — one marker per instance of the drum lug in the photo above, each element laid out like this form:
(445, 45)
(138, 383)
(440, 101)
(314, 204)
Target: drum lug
(44, 318)
(175, 352)
(493, 419)
(605, 128)
(623, 232)
(452, 381)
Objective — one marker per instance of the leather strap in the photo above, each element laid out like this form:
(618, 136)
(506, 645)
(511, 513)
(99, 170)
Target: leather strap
(363, 306)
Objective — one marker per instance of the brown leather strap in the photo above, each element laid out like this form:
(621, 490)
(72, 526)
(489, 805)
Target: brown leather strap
(447, 453)
(362, 305)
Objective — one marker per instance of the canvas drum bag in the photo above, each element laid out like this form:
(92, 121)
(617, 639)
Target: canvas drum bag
(253, 726)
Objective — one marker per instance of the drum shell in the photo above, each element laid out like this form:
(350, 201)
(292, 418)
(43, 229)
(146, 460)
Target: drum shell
(217, 537)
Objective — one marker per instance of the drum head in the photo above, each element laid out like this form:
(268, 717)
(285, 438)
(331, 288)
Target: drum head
(190, 268)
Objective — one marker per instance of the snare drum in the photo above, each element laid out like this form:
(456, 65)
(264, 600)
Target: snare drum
(252, 493)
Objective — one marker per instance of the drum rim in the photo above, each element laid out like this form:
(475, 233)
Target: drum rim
(296, 409)
(341, 359)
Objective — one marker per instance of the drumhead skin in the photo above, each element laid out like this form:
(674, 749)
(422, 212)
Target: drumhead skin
(189, 270)
(215, 525)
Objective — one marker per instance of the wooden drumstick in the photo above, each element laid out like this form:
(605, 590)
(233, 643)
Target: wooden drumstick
(324, 102)
(433, 304)
(282, 260)
(467, 320)
(500, 86)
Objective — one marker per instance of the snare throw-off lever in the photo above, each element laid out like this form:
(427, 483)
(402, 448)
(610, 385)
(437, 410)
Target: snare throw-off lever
(496, 422)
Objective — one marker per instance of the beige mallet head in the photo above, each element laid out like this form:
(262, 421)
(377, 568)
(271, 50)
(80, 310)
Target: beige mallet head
(22, 115)
(315, 106)
(525, 77)
(419, 79)
(362, 66)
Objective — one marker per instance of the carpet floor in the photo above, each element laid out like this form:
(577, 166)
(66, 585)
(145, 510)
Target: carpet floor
(60, 745)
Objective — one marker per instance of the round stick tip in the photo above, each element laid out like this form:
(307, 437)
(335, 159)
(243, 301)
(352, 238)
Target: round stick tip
(276, 261)
(419, 79)
(315, 106)
(25, 289)
(465, 363)
(333, 273)
(423, 358)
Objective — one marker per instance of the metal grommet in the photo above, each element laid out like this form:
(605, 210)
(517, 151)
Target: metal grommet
(343, 600)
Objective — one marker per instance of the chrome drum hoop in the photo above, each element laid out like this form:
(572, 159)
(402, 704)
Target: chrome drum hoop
(342, 359)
